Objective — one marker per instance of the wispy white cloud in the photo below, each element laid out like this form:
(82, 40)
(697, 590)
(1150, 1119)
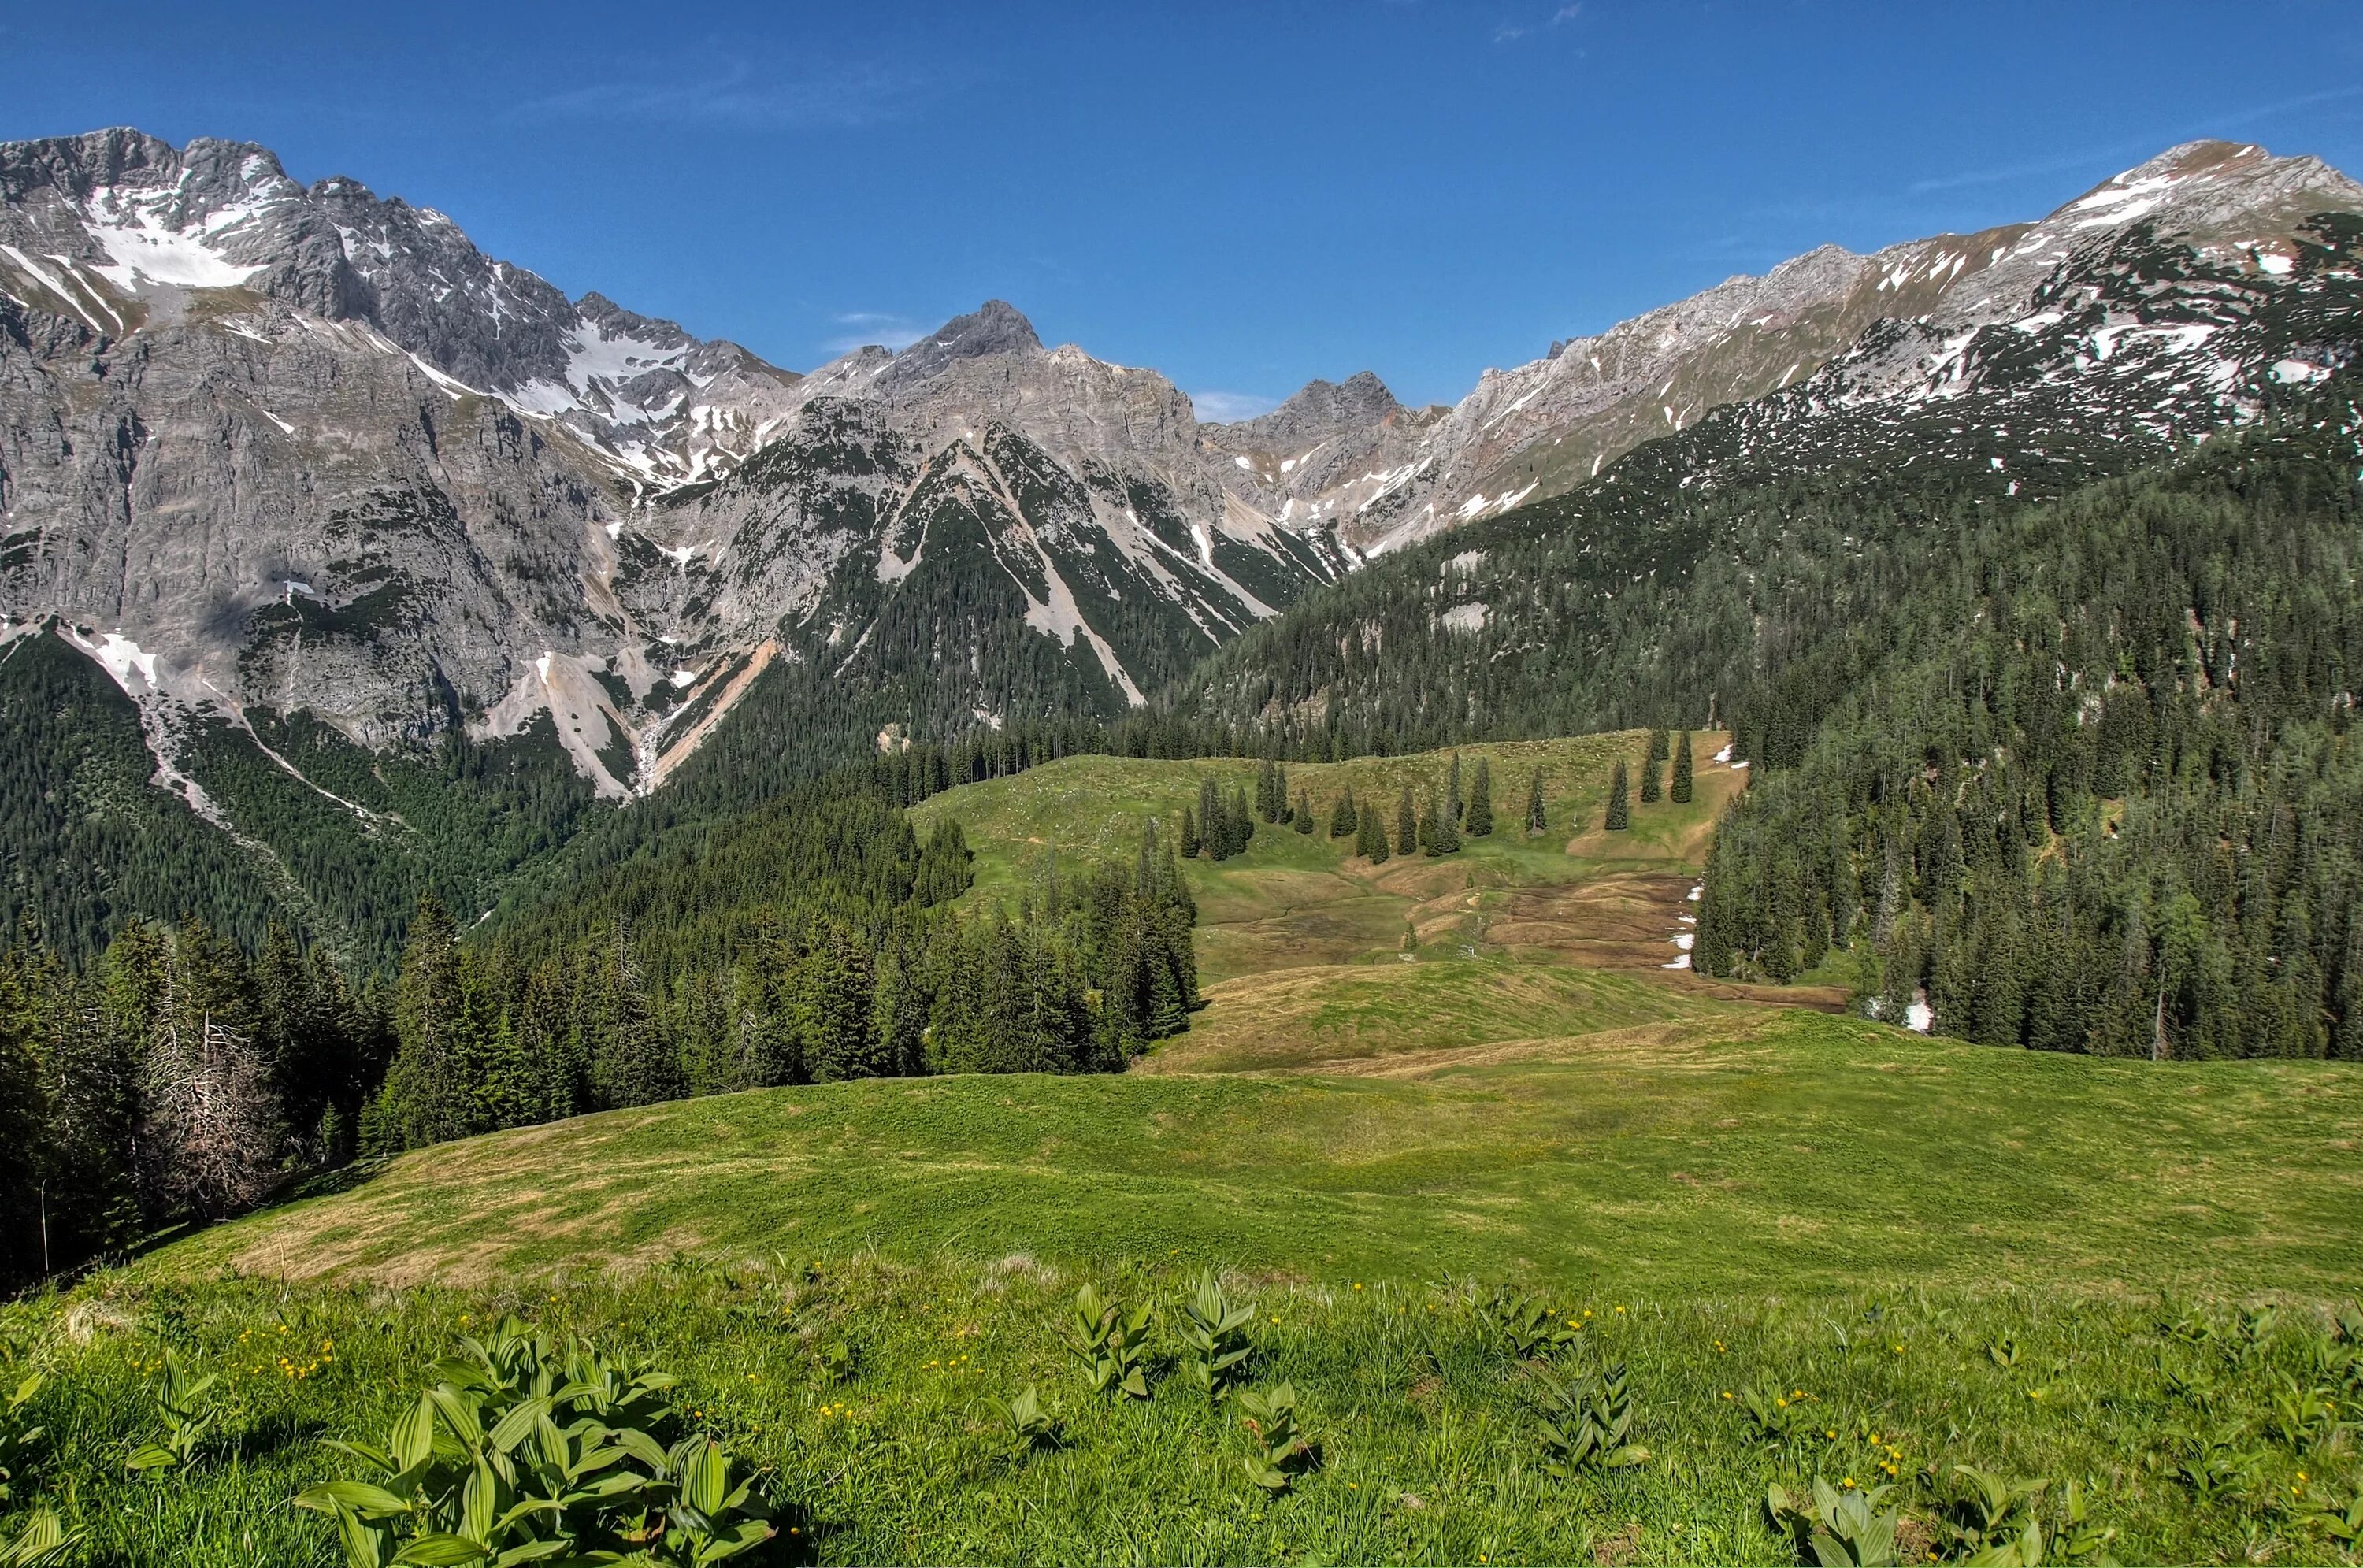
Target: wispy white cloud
(2211, 125)
(883, 327)
(1508, 33)
(736, 94)
(2005, 173)
(1224, 408)
(1567, 13)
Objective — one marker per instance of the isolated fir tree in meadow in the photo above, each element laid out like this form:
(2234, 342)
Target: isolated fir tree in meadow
(1303, 818)
(1481, 802)
(1652, 786)
(1682, 789)
(1342, 819)
(1284, 812)
(1239, 821)
(1267, 797)
(1191, 844)
(1657, 745)
(1452, 801)
(1217, 826)
(1406, 823)
(1620, 811)
(1441, 831)
(1536, 819)
(1370, 838)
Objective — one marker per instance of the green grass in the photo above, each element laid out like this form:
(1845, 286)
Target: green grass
(1294, 898)
(1409, 1083)
(1389, 1016)
(1428, 1423)
(1742, 1150)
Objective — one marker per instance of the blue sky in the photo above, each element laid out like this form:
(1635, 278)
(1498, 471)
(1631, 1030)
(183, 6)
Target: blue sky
(1244, 196)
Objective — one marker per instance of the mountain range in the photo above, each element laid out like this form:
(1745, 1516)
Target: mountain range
(276, 455)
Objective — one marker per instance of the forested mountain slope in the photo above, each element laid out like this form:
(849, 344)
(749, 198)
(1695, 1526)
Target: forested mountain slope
(1676, 581)
(2094, 785)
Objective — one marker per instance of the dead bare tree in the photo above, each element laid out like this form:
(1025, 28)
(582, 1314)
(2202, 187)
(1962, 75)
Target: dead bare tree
(211, 1128)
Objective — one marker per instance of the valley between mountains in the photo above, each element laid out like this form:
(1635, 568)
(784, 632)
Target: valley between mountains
(1744, 946)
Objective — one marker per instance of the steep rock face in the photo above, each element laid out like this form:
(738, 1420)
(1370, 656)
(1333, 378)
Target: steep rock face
(1543, 428)
(310, 448)
(271, 446)
(294, 513)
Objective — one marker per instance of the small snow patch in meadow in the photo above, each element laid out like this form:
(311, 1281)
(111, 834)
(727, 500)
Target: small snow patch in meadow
(1723, 755)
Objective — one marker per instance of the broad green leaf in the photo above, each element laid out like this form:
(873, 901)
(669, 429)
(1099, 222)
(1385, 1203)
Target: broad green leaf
(442, 1550)
(358, 1496)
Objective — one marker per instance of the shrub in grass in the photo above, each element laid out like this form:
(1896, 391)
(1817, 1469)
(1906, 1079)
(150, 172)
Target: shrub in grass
(43, 1542)
(1280, 1449)
(18, 1436)
(1212, 1332)
(1587, 1417)
(1111, 1343)
(517, 1454)
(1528, 1327)
(1023, 1421)
(1836, 1526)
(185, 1415)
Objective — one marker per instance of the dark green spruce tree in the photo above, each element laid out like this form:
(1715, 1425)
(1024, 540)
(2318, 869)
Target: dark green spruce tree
(1341, 816)
(1440, 830)
(1620, 810)
(1681, 793)
(1406, 823)
(1481, 803)
(1537, 821)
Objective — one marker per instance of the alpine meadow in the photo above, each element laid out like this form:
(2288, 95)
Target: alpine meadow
(1744, 946)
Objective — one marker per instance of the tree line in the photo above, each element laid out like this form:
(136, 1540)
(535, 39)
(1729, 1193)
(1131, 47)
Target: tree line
(2094, 788)
(178, 1079)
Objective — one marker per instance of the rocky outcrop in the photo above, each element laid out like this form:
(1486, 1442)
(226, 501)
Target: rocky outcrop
(308, 447)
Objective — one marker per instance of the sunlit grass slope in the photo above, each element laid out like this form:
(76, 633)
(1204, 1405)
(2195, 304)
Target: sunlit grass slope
(1734, 1150)
(1297, 899)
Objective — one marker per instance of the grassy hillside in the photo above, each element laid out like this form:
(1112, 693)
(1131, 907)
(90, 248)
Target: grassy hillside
(1938, 1254)
(858, 1386)
(1732, 1149)
(1413, 1086)
(1573, 891)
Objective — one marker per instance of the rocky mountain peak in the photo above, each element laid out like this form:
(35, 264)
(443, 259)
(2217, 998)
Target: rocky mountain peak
(1321, 409)
(994, 329)
(2210, 190)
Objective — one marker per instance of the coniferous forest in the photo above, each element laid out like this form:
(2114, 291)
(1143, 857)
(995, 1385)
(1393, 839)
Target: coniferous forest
(2070, 772)
(2096, 786)
(180, 1077)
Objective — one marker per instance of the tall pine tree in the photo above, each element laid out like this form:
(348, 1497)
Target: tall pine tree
(1620, 811)
(1682, 789)
(1481, 802)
